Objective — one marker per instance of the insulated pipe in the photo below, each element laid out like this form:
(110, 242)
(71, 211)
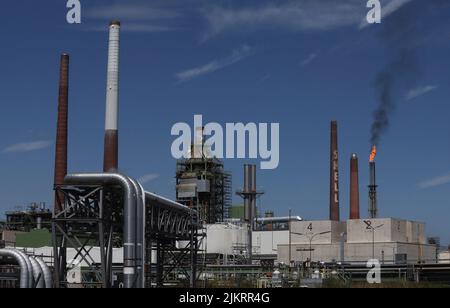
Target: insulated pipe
(38, 274)
(154, 198)
(24, 272)
(140, 233)
(47, 273)
(29, 266)
(111, 148)
(130, 203)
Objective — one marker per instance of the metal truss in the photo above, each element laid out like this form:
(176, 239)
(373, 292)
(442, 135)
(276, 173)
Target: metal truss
(91, 216)
(175, 237)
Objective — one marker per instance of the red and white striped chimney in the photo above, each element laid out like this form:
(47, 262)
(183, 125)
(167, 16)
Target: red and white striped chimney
(111, 149)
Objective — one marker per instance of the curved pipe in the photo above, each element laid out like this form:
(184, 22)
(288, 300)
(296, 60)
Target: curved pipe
(29, 266)
(24, 273)
(38, 274)
(48, 280)
(130, 203)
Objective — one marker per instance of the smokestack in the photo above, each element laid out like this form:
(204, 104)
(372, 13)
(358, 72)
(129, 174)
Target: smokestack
(111, 149)
(249, 194)
(354, 188)
(334, 174)
(62, 129)
(249, 190)
(373, 206)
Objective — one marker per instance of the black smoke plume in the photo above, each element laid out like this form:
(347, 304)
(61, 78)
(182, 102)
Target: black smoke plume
(401, 36)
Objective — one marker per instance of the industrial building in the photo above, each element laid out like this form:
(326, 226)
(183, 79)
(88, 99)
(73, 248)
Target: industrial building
(106, 231)
(356, 241)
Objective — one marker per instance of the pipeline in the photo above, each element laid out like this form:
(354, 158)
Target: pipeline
(29, 267)
(34, 273)
(134, 219)
(24, 271)
(38, 274)
(131, 205)
(48, 280)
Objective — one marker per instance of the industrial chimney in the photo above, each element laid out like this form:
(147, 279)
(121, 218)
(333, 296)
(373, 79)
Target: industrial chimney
(354, 188)
(373, 206)
(334, 174)
(111, 149)
(62, 129)
(249, 194)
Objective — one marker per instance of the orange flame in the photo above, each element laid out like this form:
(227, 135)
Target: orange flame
(373, 154)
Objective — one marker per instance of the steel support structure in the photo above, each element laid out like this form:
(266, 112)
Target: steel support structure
(90, 216)
(175, 236)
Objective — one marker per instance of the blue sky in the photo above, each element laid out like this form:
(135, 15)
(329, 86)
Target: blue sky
(298, 63)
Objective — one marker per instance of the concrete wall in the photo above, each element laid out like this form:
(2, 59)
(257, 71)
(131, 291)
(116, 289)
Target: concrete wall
(266, 242)
(415, 232)
(444, 257)
(311, 228)
(390, 230)
(221, 238)
(359, 252)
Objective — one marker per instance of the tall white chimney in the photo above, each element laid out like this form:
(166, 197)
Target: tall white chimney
(111, 149)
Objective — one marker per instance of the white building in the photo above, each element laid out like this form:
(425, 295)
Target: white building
(388, 240)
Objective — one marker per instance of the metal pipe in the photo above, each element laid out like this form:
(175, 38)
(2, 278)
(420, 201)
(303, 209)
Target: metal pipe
(24, 272)
(354, 188)
(154, 198)
(130, 204)
(278, 219)
(38, 274)
(47, 273)
(373, 206)
(29, 266)
(62, 129)
(140, 233)
(111, 148)
(253, 190)
(247, 188)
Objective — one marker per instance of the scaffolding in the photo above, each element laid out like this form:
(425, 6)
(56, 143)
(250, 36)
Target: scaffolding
(204, 185)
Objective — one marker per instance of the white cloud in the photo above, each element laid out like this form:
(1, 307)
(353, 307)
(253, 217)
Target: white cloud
(300, 15)
(136, 17)
(237, 55)
(27, 146)
(130, 11)
(437, 181)
(309, 59)
(135, 27)
(415, 93)
(148, 178)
